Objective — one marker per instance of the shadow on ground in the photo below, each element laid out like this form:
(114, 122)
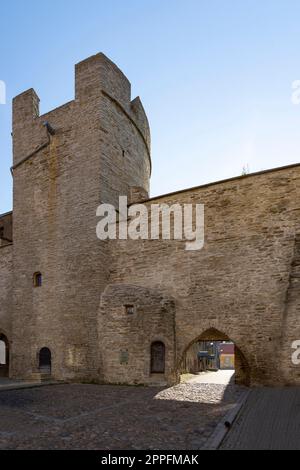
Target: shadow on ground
(82, 416)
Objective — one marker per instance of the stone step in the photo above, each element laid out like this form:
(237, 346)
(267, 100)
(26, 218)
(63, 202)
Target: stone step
(162, 385)
(157, 380)
(40, 377)
(46, 377)
(157, 383)
(35, 377)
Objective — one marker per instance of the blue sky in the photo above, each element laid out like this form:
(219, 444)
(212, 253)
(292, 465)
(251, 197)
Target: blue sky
(215, 77)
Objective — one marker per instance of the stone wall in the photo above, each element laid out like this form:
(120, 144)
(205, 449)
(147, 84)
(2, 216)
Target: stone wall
(291, 316)
(6, 290)
(6, 234)
(243, 283)
(126, 338)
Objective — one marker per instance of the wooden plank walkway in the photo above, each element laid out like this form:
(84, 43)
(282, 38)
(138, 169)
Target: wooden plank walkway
(270, 419)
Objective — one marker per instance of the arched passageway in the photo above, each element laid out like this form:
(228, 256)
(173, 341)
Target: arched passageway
(4, 356)
(240, 364)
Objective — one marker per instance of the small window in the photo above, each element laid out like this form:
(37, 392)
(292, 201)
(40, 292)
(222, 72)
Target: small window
(129, 309)
(37, 280)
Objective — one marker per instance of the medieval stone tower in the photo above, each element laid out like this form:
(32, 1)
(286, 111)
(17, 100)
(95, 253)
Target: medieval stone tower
(126, 311)
(65, 163)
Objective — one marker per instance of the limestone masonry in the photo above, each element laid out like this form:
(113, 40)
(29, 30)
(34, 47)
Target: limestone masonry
(125, 311)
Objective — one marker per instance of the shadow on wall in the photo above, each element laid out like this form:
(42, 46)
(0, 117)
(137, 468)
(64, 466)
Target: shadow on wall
(242, 369)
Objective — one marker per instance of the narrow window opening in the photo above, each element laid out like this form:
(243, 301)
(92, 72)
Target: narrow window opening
(37, 280)
(129, 309)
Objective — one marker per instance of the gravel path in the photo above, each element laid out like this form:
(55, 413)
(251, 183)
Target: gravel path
(113, 417)
(219, 377)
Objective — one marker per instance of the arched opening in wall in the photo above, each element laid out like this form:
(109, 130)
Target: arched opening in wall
(37, 279)
(45, 361)
(213, 358)
(4, 356)
(158, 353)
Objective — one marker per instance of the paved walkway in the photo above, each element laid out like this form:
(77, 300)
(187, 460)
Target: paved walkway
(270, 420)
(78, 416)
(4, 380)
(223, 377)
(9, 384)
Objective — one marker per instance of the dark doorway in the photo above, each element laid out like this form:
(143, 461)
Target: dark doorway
(157, 357)
(4, 356)
(45, 361)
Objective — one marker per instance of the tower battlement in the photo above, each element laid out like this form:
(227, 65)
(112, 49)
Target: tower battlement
(98, 73)
(96, 78)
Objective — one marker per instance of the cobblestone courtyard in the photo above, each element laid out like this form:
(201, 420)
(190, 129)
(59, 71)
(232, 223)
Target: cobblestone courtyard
(113, 417)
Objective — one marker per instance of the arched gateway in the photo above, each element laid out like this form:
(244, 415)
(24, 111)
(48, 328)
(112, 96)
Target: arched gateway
(242, 369)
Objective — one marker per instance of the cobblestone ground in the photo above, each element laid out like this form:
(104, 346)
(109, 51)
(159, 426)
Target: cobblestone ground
(113, 417)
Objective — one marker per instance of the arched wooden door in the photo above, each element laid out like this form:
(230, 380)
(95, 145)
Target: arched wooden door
(158, 351)
(4, 356)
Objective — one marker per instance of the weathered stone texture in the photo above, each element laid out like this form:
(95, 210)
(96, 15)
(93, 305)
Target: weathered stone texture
(6, 229)
(6, 269)
(243, 285)
(244, 282)
(6, 283)
(153, 320)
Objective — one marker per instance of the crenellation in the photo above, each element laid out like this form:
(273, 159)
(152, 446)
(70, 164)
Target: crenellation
(26, 106)
(25, 114)
(98, 73)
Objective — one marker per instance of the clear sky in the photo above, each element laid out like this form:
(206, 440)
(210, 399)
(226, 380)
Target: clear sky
(215, 77)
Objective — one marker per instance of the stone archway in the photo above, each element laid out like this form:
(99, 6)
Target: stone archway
(4, 356)
(242, 368)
